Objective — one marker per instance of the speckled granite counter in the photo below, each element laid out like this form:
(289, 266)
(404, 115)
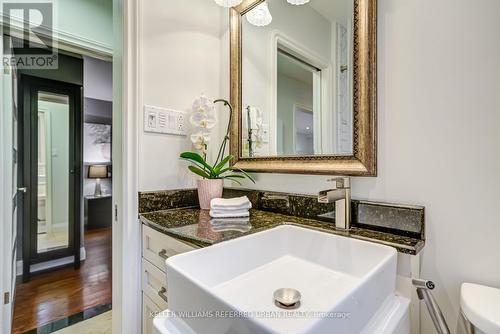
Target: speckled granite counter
(193, 225)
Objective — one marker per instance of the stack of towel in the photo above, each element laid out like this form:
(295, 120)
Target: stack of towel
(231, 214)
(230, 207)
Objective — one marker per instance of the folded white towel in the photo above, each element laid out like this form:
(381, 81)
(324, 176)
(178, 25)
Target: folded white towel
(231, 224)
(231, 203)
(243, 207)
(229, 214)
(234, 212)
(230, 221)
(236, 228)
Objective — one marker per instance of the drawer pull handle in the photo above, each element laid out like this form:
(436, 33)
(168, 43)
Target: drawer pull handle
(161, 293)
(163, 254)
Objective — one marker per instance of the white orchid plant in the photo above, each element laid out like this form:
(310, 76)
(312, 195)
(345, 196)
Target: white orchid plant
(203, 120)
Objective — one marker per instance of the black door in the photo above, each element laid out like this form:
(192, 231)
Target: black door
(51, 128)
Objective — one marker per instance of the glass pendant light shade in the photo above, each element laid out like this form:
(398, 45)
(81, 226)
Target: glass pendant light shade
(260, 16)
(228, 3)
(298, 2)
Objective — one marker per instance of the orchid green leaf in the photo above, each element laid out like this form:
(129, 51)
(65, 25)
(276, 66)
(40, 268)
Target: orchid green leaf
(199, 171)
(234, 175)
(244, 173)
(234, 180)
(198, 159)
(224, 162)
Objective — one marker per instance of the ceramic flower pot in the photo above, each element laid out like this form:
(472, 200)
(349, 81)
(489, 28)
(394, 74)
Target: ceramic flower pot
(207, 190)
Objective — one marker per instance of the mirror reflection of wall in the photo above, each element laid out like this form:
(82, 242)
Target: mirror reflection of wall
(303, 131)
(53, 172)
(297, 72)
(298, 83)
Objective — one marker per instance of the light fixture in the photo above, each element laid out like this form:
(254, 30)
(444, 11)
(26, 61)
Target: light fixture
(260, 16)
(98, 172)
(228, 3)
(298, 2)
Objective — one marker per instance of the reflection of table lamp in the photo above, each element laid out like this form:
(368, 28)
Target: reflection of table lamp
(98, 172)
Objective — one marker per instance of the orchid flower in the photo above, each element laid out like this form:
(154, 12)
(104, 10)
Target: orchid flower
(203, 105)
(203, 120)
(200, 141)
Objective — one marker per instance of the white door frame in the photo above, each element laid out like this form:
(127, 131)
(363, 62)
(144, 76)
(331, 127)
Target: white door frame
(7, 229)
(3, 324)
(126, 228)
(5, 251)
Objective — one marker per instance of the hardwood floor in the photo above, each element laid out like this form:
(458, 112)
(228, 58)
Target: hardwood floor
(58, 294)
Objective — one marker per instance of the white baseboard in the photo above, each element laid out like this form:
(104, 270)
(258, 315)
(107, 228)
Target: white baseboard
(19, 267)
(83, 254)
(50, 264)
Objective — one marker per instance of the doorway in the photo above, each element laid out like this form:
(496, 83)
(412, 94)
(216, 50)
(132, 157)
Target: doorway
(298, 105)
(51, 147)
(72, 283)
(55, 297)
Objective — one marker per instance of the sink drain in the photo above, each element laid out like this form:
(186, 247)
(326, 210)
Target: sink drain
(287, 298)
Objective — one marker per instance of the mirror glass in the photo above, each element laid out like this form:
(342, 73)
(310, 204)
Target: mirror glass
(53, 172)
(297, 79)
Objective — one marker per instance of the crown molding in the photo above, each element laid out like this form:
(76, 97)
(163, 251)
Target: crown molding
(63, 40)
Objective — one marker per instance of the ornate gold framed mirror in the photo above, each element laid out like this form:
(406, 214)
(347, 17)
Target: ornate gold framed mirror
(303, 86)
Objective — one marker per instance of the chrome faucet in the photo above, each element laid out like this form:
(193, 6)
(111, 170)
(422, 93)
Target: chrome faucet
(341, 195)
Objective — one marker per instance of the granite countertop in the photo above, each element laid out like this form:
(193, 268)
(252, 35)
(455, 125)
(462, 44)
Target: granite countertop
(193, 225)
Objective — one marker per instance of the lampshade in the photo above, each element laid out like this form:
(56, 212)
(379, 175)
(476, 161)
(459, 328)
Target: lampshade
(228, 3)
(298, 2)
(98, 172)
(260, 16)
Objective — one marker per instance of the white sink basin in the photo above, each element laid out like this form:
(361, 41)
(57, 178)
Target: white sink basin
(228, 287)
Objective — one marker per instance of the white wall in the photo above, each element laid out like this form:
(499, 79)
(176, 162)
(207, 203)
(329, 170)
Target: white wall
(289, 93)
(97, 79)
(90, 19)
(439, 110)
(181, 54)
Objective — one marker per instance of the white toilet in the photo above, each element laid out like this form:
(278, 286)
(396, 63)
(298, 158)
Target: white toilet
(481, 308)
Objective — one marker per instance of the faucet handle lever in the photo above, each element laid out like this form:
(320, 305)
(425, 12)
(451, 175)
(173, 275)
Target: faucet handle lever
(341, 182)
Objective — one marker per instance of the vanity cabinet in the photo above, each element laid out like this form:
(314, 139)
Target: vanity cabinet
(156, 248)
(149, 309)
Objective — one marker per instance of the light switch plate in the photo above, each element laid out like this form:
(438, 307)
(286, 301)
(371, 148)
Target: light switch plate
(164, 120)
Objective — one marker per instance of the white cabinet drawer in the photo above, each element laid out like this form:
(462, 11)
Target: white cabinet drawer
(154, 284)
(157, 247)
(149, 311)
